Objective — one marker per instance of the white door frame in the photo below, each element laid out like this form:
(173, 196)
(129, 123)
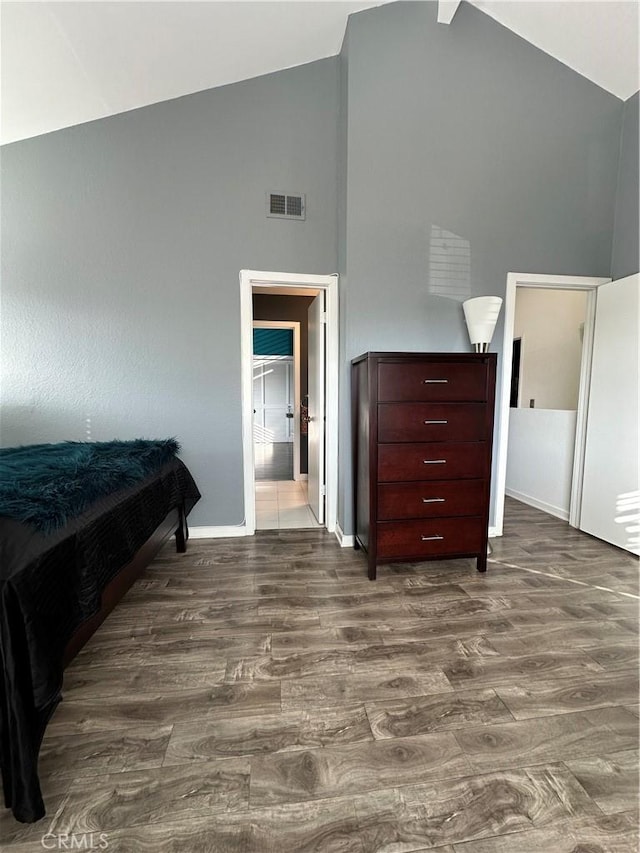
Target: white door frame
(295, 325)
(549, 282)
(250, 279)
(316, 389)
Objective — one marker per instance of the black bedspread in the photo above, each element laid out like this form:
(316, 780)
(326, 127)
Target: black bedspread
(49, 585)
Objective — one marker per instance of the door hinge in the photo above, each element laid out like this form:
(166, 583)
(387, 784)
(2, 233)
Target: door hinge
(323, 491)
(323, 317)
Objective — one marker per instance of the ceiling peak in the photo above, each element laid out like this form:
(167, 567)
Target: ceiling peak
(446, 10)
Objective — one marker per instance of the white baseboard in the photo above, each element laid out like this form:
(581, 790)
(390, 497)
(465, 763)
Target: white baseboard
(494, 532)
(217, 532)
(556, 511)
(343, 540)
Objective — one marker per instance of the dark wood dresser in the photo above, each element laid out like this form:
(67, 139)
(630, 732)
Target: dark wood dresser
(422, 437)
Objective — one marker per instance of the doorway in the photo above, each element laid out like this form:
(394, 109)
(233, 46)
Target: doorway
(558, 283)
(277, 371)
(273, 405)
(309, 497)
(545, 382)
(280, 386)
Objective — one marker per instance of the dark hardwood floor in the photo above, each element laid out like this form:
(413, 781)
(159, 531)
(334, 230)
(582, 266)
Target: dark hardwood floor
(262, 695)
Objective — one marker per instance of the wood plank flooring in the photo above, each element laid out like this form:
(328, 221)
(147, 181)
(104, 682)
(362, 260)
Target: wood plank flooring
(262, 695)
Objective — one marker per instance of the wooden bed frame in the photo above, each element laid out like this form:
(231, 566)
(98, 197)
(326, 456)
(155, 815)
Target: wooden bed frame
(174, 523)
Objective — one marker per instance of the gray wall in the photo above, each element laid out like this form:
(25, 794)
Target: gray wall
(470, 129)
(122, 243)
(123, 238)
(627, 226)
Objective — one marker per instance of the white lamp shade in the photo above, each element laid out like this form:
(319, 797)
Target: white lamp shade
(481, 315)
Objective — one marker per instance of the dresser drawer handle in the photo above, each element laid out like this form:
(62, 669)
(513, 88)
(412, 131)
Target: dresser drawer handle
(434, 461)
(436, 381)
(436, 422)
(429, 538)
(433, 500)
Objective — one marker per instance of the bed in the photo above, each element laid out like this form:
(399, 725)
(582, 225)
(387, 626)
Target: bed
(79, 522)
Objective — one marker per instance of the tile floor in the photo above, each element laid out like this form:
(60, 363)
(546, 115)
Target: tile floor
(283, 505)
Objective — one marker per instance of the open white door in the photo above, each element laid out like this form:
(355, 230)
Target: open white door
(316, 364)
(611, 492)
(273, 399)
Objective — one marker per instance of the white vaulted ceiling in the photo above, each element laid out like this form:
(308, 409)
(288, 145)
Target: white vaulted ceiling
(64, 63)
(597, 39)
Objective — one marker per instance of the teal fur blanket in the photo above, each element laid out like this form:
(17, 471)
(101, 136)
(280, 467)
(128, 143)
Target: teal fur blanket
(47, 484)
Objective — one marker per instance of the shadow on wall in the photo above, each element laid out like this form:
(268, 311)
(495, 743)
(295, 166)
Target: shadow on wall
(34, 425)
(20, 425)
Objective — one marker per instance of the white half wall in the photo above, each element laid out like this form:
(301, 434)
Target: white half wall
(540, 458)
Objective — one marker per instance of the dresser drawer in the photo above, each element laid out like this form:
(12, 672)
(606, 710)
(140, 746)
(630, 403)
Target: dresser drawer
(422, 438)
(430, 499)
(431, 422)
(418, 381)
(434, 461)
(430, 537)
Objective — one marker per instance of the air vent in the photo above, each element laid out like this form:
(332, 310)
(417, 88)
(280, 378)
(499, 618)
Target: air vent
(286, 205)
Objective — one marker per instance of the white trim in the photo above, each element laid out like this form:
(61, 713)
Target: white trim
(317, 428)
(575, 499)
(329, 283)
(246, 382)
(446, 10)
(522, 350)
(551, 282)
(494, 532)
(343, 540)
(217, 532)
(538, 504)
(259, 278)
(295, 325)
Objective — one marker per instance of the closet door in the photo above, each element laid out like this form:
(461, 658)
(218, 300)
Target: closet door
(611, 492)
